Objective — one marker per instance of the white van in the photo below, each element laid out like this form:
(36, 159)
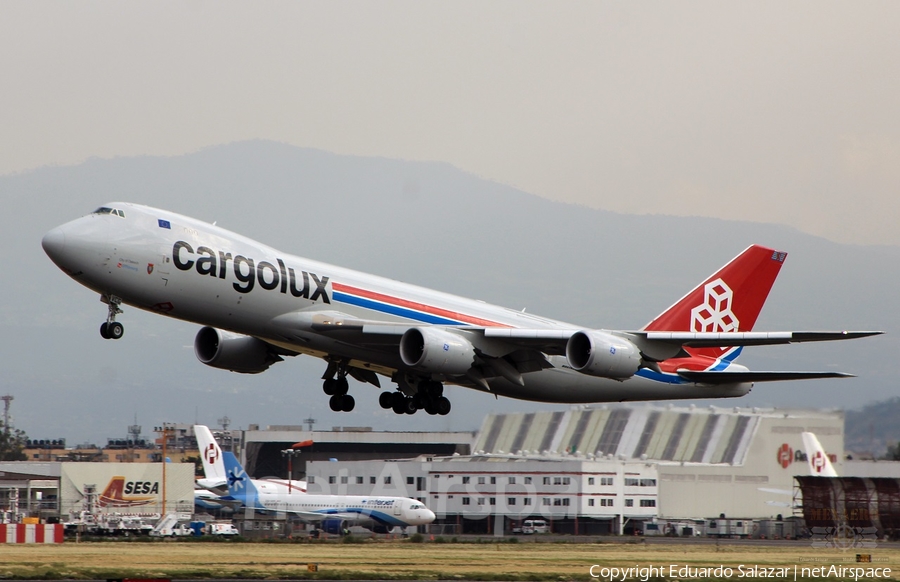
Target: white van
(535, 526)
(222, 529)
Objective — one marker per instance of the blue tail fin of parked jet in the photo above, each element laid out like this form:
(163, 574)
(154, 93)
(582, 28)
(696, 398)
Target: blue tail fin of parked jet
(240, 486)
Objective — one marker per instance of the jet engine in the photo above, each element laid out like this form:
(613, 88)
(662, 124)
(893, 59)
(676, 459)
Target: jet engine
(436, 350)
(599, 353)
(333, 526)
(231, 351)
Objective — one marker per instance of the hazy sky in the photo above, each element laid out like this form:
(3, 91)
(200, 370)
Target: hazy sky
(764, 111)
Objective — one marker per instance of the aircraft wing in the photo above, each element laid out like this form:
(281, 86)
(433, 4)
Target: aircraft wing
(660, 345)
(523, 343)
(750, 338)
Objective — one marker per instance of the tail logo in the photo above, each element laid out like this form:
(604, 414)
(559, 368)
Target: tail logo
(211, 453)
(236, 479)
(715, 313)
(818, 461)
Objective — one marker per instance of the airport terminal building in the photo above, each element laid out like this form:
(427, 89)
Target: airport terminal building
(606, 469)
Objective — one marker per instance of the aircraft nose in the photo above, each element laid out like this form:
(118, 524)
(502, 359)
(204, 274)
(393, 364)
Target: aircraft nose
(54, 243)
(429, 515)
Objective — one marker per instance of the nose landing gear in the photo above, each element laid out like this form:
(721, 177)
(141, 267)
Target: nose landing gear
(111, 329)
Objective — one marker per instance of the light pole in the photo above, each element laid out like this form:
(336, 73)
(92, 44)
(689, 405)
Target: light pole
(166, 430)
(290, 453)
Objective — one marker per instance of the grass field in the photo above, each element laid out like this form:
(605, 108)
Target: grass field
(400, 560)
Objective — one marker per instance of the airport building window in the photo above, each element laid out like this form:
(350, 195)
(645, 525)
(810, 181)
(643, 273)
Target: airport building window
(567, 480)
(590, 502)
(606, 502)
(528, 480)
(343, 479)
(466, 500)
(410, 480)
(526, 501)
(493, 480)
(546, 501)
(372, 480)
(332, 479)
(359, 480)
(648, 482)
(546, 480)
(481, 480)
(632, 482)
(311, 479)
(510, 500)
(465, 480)
(590, 480)
(481, 501)
(512, 480)
(387, 480)
(606, 481)
(493, 501)
(648, 503)
(629, 503)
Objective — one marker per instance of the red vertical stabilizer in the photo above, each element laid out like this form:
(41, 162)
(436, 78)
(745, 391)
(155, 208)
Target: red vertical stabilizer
(729, 300)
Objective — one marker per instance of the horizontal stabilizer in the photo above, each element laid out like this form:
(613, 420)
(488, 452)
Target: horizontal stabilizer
(739, 377)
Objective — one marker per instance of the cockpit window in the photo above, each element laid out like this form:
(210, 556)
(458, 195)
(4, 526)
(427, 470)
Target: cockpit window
(105, 210)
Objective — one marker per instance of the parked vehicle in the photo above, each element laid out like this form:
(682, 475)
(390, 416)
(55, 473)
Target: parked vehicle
(535, 526)
(222, 529)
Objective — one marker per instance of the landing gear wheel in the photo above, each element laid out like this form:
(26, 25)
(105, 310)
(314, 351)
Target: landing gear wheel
(409, 406)
(443, 406)
(386, 400)
(347, 403)
(111, 329)
(431, 408)
(336, 402)
(341, 385)
(114, 330)
(399, 404)
(330, 386)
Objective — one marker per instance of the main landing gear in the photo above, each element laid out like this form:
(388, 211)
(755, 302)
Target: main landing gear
(429, 397)
(337, 388)
(111, 329)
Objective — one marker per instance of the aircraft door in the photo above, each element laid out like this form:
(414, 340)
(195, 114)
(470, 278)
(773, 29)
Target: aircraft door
(398, 507)
(160, 268)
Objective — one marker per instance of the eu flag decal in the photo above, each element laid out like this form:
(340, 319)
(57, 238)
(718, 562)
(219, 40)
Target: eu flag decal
(164, 224)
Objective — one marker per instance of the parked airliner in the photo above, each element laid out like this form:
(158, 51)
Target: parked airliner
(214, 477)
(258, 304)
(332, 513)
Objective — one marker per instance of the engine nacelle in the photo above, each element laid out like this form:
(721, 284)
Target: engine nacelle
(333, 526)
(599, 353)
(436, 350)
(231, 351)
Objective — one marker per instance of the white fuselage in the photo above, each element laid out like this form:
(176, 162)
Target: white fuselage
(191, 270)
(357, 509)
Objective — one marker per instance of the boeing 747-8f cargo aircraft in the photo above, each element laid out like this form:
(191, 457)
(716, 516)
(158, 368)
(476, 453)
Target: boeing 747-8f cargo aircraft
(258, 304)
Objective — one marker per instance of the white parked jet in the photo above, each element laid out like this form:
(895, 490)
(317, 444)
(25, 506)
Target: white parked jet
(258, 304)
(332, 513)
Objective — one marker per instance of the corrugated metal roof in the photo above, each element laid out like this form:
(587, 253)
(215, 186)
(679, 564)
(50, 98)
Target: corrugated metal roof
(707, 435)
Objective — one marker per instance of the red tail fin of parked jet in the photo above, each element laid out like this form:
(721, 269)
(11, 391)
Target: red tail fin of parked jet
(728, 301)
